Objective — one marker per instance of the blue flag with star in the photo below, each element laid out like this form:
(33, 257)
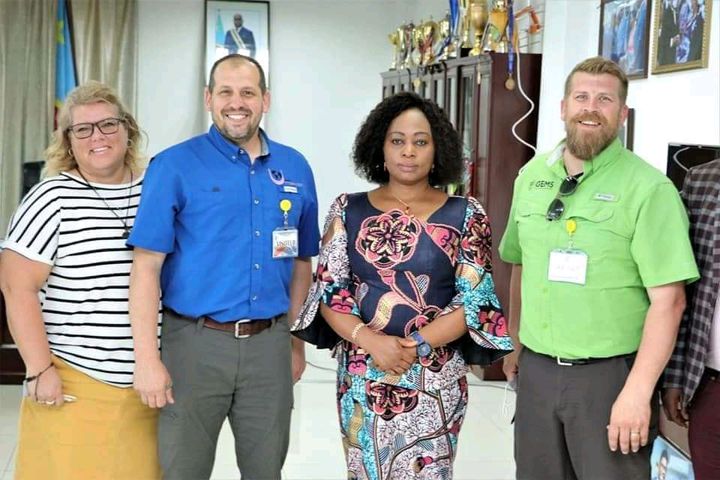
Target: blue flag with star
(65, 79)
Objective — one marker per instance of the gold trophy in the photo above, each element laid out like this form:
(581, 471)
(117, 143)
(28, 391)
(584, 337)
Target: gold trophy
(464, 24)
(495, 39)
(429, 37)
(478, 18)
(416, 53)
(440, 47)
(403, 47)
(394, 38)
(409, 40)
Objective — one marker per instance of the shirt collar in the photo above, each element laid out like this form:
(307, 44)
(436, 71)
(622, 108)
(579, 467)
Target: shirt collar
(231, 150)
(606, 157)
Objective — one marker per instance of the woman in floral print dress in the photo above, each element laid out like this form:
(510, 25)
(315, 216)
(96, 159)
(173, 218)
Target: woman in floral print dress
(404, 295)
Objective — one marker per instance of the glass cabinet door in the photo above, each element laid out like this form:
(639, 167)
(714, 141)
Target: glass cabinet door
(467, 102)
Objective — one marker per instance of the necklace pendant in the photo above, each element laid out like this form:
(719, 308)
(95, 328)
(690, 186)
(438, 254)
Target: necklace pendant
(125, 235)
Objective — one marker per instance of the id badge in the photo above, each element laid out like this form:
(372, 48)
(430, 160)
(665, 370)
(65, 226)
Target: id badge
(285, 242)
(568, 265)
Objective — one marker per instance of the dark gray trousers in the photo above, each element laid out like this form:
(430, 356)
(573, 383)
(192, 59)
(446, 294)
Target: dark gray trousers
(561, 418)
(216, 376)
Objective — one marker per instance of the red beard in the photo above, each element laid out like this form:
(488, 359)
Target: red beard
(586, 145)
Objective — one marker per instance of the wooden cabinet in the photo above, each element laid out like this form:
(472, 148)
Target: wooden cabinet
(472, 92)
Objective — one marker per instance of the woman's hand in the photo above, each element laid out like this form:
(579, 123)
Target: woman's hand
(388, 352)
(46, 390)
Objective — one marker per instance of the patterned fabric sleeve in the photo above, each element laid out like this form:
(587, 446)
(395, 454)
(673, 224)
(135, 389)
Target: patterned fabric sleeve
(488, 338)
(332, 282)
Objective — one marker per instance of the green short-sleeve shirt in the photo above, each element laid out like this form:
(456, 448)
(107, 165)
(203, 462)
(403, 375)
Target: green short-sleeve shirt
(631, 223)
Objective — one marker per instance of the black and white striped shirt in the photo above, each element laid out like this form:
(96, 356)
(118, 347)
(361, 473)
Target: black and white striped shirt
(64, 223)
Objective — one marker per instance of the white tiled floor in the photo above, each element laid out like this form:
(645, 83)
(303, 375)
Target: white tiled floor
(484, 452)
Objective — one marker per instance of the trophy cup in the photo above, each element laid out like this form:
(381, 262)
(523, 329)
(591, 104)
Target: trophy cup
(416, 53)
(464, 32)
(408, 29)
(403, 47)
(495, 39)
(394, 38)
(429, 37)
(440, 47)
(478, 18)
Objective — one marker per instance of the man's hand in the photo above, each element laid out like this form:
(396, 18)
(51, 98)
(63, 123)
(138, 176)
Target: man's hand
(629, 422)
(511, 364)
(391, 354)
(672, 400)
(153, 384)
(298, 359)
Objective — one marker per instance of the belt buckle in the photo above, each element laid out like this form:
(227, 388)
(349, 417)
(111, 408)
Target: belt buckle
(563, 364)
(237, 328)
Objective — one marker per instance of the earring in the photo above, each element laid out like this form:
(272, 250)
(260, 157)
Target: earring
(432, 168)
(70, 152)
(385, 167)
(129, 143)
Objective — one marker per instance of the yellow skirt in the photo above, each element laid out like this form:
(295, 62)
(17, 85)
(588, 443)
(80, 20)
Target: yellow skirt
(106, 434)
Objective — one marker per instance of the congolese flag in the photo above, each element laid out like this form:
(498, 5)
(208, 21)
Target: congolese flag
(64, 61)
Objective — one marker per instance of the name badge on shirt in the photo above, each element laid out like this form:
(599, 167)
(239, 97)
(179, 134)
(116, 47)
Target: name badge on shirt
(285, 242)
(568, 265)
(285, 238)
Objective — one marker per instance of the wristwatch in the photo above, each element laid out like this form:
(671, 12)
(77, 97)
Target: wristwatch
(423, 348)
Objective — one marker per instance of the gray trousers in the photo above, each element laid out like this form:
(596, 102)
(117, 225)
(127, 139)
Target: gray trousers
(216, 376)
(561, 417)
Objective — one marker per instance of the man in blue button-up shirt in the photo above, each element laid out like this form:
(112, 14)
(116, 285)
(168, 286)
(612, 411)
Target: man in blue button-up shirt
(211, 232)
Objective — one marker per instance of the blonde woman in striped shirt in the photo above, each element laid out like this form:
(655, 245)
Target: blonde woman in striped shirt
(65, 274)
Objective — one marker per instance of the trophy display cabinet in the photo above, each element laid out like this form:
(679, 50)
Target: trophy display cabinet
(472, 91)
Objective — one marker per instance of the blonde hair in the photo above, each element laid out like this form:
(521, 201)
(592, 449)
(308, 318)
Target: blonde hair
(58, 157)
(599, 66)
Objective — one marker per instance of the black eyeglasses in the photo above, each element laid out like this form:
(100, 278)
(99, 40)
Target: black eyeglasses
(567, 187)
(85, 130)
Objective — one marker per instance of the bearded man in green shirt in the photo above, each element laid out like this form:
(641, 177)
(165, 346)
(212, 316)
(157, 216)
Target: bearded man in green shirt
(599, 244)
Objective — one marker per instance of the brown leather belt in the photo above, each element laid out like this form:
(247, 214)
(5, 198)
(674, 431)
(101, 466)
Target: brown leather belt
(243, 328)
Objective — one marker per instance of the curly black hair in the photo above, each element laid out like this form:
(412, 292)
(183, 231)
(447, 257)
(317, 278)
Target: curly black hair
(368, 154)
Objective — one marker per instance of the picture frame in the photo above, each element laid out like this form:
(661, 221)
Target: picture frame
(668, 462)
(681, 35)
(626, 133)
(223, 34)
(625, 34)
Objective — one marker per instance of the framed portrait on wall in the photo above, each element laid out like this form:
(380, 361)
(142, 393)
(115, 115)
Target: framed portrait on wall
(237, 27)
(625, 34)
(681, 35)
(626, 132)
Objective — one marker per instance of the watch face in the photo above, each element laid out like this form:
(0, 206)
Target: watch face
(424, 349)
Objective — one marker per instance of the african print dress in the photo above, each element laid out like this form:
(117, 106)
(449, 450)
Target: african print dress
(398, 273)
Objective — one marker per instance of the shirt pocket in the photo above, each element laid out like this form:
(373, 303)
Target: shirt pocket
(296, 207)
(599, 232)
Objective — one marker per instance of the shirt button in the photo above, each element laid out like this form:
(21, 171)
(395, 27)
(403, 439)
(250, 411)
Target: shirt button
(256, 201)
(254, 297)
(257, 266)
(257, 233)
(252, 172)
(234, 157)
(241, 151)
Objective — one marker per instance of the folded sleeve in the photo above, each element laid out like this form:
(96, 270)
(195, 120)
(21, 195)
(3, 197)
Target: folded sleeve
(487, 339)
(33, 229)
(332, 283)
